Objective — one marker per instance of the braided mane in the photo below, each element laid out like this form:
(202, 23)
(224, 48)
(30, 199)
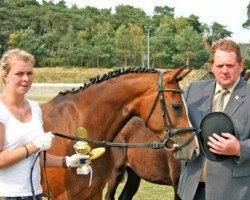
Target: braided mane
(107, 76)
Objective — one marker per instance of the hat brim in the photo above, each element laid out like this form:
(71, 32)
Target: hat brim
(215, 122)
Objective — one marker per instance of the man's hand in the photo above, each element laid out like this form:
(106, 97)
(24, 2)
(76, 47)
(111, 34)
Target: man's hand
(226, 145)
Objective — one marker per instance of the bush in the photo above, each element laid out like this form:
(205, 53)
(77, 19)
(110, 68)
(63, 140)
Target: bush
(247, 63)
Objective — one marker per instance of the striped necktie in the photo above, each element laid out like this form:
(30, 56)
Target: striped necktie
(219, 101)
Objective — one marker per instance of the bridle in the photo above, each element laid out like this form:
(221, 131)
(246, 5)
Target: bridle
(169, 133)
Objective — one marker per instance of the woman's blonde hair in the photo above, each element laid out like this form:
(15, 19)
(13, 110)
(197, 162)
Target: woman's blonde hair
(14, 54)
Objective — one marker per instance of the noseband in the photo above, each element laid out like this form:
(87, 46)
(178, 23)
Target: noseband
(169, 133)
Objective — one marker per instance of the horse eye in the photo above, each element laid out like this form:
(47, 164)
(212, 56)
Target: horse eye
(176, 106)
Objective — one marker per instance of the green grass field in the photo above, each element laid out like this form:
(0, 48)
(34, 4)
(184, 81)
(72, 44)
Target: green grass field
(149, 191)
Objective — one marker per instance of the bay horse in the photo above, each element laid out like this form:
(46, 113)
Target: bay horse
(104, 106)
(153, 165)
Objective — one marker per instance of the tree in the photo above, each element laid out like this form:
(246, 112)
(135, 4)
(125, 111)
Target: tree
(66, 47)
(163, 45)
(161, 12)
(191, 49)
(246, 24)
(123, 45)
(217, 32)
(129, 15)
(196, 24)
(102, 44)
(27, 40)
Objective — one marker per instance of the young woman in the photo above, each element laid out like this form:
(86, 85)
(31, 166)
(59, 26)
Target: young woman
(21, 131)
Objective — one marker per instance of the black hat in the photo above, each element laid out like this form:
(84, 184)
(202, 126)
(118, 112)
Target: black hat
(214, 122)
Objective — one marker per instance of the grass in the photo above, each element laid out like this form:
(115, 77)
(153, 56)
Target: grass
(66, 75)
(149, 191)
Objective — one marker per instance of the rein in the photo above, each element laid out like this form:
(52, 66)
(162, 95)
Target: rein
(154, 145)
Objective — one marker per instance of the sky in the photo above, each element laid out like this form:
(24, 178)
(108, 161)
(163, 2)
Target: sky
(229, 13)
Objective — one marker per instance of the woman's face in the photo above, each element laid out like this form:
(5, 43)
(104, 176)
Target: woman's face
(20, 77)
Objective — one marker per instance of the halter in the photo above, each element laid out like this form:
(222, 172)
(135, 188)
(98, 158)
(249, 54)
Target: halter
(169, 133)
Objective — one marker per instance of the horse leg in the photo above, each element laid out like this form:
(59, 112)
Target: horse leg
(174, 172)
(115, 178)
(131, 186)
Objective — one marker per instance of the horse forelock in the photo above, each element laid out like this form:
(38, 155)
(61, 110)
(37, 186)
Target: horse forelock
(107, 76)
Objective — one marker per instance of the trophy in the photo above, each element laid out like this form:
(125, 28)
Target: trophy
(84, 150)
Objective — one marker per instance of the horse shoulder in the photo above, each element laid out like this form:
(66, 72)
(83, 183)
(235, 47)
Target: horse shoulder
(61, 116)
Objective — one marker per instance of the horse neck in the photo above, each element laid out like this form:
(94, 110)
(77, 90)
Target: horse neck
(107, 104)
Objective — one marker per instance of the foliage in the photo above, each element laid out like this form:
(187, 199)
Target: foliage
(218, 31)
(190, 48)
(247, 63)
(89, 37)
(246, 24)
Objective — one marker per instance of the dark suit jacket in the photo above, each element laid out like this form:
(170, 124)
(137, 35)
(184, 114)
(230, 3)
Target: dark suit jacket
(229, 179)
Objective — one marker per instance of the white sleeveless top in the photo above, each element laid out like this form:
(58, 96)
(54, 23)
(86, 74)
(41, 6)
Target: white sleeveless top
(15, 180)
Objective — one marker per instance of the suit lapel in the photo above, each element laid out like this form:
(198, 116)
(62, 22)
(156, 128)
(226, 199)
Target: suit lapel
(237, 98)
(208, 92)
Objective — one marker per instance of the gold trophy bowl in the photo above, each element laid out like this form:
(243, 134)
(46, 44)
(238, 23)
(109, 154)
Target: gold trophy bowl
(82, 147)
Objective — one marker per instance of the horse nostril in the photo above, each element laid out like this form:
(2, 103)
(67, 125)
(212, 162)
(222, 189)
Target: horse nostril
(176, 106)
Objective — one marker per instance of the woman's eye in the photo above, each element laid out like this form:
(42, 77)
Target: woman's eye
(19, 74)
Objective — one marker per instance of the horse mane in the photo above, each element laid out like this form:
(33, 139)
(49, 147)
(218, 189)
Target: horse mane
(107, 76)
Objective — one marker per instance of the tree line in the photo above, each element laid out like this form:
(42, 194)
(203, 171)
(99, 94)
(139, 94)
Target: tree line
(58, 35)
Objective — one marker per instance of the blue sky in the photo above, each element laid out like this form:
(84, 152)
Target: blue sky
(231, 13)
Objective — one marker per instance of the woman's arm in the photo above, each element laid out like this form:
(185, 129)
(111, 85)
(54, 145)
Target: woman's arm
(11, 157)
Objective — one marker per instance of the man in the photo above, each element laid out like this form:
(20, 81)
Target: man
(228, 179)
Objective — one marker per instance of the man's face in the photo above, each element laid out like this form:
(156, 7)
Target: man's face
(226, 68)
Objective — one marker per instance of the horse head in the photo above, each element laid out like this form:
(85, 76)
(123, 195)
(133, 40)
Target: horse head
(165, 112)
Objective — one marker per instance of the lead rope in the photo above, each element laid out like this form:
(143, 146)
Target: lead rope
(46, 179)
(45, 175)
(31, 176)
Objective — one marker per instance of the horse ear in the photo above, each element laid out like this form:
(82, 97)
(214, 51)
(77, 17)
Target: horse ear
(183, 74)
(177, 74)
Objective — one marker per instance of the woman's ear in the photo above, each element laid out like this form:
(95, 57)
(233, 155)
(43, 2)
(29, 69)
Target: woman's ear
(4, 76)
